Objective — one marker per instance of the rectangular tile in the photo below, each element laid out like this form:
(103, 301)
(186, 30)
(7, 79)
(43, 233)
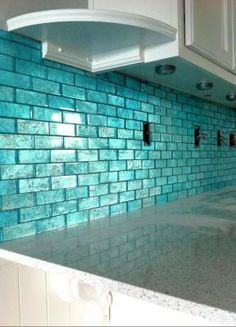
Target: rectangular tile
(33, 185)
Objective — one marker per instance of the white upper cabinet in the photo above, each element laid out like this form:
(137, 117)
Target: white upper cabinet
(209, 29)
(234, 36)
(164, 11)
(95, 35)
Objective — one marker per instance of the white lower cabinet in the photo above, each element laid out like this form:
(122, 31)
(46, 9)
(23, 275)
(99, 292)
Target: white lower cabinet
(33, 297)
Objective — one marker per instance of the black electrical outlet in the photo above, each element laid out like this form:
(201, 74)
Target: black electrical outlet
(197, 137)
(146, 133)
(219, 138)
(232, 140)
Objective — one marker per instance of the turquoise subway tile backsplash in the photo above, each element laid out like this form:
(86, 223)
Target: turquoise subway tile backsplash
(71, 147)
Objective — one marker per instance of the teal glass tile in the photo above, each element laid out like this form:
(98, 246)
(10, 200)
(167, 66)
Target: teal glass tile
(50, 223)
(76, 168)
(106, 87)
(87, 131)
(62, 129)
(77, 193)
(132, 104)
(46, 197)
(40, 113)
(97, 120)
(74, 118)
(62, 103)
(32, 98)
(126, 154)
(48, 142)
(118, 187)
(157, 190)
(16, 201)
(107, 132)
(98, 97)
(140, 174)
(154, 100)
(65, 207)
(124, 113)
(104, 109)
(126, 196)
(33, 185)
(34, 156)
(34, 213)
(116, 122)
(7, 125)
(75, 143)
(132, 83)
(89, 203)
(108, 155)
(63, 155)
(135, 164)
(6, 93)
(6, 62)
(19, 231)
(87, 155)
(108, 199)
(7, 187)
(46, 87)
(134, 144)
(134, 185)
(98, 143)
(94, 190)
(99, 212)
(14, 79)
(142, 154)
(64, 182)
(150, 182)
(86, 107)
(116, 78)
(140, 194)
(147, 202)
(73, 92)
(147, 107)
(60, 76)
(116, 209)
(16, 171)
(108, 177)
(126, 175)
(132, 124)
(8, 218)
(125, 134)
(98, 166)
(117, 144)
(117, 165)
(7, 157)
(134, 205)
(30, 68)
(116, 100)
(124, 92)
(45, 170)
(85, 82)
(89, 179)
(32, 127)
(138, 115)
(77, 217)
(14, 141)
(14, 110)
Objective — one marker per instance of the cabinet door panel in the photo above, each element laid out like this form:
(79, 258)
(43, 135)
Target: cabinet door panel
(209, 30)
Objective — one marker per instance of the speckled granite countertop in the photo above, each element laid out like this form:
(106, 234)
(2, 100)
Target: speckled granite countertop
(179, 255)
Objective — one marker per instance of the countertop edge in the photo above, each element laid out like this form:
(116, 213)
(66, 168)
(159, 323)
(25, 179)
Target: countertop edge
(167, 301)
